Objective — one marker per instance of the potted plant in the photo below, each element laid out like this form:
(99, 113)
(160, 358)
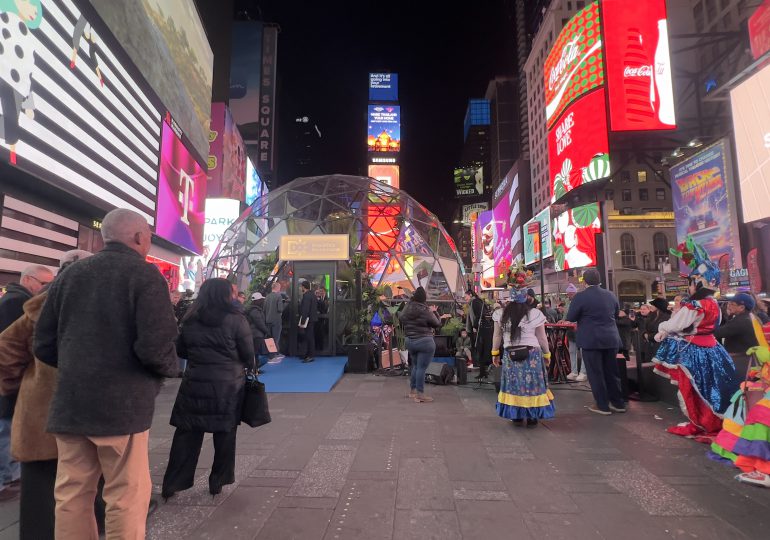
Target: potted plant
(358, 342)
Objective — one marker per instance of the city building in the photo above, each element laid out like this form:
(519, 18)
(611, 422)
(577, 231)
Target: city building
(504, 145)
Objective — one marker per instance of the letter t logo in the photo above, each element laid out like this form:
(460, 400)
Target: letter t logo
(186, 188)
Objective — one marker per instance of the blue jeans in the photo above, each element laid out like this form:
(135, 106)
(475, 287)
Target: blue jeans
(10, 470)
(420, 354)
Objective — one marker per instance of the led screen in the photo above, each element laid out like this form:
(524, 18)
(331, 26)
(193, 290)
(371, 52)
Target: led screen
(181, 194)
(385, 173)
(531, 249)
(486, 241)
(574, 237)
(254, 185)
(82, 119)
(641, 95)
(383, 87)
(471, 210)
(751, 124)
(759, 30)
(574, 65)
(384, 131)
(502, 255)
(167, 42)
(701, 189)
(469, 181)
(578, 149)
(220, 214)
(227, 156)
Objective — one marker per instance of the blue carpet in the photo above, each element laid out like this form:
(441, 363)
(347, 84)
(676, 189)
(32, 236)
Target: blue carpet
(291, 375)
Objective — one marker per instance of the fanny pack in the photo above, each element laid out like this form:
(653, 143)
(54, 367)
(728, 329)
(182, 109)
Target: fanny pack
(518, 353)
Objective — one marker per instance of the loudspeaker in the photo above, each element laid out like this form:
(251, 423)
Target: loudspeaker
(438, 373)
(358, 358)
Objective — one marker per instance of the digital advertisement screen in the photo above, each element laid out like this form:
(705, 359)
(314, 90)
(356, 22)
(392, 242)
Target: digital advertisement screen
(82, 119)
(254, 185)
(245, 71)
(578, 148)
(574, 237)
(574, 65)
(384, 130)
(220, 214)
(383, 221)
(759, 30)
(469, 181)
(532, 250)
(641, 94)
(503, 257)
(227, 156)
(703, 200)
(486, 239)
(385, 173)
(181, 194)
(167, 42)
(470, 209)
(751, 125)
(383, 87)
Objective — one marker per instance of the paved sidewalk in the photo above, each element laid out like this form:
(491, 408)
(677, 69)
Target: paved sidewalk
(364, 462)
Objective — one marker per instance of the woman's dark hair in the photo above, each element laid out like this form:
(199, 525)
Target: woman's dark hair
(214, 298)
(420, 295)
(513, 313)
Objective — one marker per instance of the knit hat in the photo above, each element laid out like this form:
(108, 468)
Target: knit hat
(592, 277)
(571, 288)
(745, 300)
(660, 304)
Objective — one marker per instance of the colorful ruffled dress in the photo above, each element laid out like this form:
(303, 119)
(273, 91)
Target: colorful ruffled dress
(524, 392)
(701, 368)
(745, 436)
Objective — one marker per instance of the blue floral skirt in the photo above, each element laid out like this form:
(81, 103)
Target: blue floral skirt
(524, 389)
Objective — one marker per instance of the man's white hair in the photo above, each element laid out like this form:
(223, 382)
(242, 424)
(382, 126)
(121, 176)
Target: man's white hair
(121, 224)
(73, 255)
(34, 269)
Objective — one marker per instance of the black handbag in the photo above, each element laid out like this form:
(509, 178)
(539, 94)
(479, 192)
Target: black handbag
(255, 411)
(517, 353)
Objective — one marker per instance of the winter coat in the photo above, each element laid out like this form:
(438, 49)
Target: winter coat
(35, 383)
(12, 304)
(257, 323)
(737, 333)
(595, 310)
(625, 326)
(218, 347)
(109, 327)
(308, 306)
(418, 320)
(274, 305)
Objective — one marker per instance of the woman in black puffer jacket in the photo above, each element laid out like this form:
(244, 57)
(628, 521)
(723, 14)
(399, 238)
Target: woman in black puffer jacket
(419, 322)
(216, 340)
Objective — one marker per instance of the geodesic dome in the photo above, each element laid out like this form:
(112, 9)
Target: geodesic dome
(404, 244)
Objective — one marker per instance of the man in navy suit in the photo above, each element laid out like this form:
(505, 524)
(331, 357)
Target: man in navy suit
(595, 310)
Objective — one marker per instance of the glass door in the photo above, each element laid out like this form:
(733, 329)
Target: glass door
(321, 277)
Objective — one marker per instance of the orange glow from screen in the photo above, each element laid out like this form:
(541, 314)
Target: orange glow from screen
(385, 173)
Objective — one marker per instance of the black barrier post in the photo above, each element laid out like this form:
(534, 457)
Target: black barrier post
(640, 394)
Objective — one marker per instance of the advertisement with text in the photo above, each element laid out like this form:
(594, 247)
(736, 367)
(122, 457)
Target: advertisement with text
(574, 237)
(384, 131)
(532, 250)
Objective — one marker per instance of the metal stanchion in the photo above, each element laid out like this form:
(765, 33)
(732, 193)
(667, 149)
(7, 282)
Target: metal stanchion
(640, 394)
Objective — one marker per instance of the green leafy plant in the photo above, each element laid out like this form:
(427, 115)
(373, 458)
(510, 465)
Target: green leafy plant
(452, 327)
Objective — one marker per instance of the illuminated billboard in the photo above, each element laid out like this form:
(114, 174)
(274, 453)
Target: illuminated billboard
(641, 95)
(86, 123)
(385, 173)
(759, 30)
(254, 185)
(167, 42)
(751, 124)
(502, 255)
(384, 128)
(578, 149)
(227, 156)
(471, 211)
(220, 214)
(181, 194)
(486, 245)
(574, 66)
(469, 181)
(532, 250)
(703, 200)
(574, 237)
(383, 87)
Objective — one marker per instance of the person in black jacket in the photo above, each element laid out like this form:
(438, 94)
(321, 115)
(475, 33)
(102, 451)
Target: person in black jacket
(658, 314)
(738, 332)
(217, 341)
(308, 315)
(259, 331)
(480, 325)
(419, 322)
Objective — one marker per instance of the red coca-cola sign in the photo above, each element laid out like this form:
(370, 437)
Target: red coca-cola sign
(638, 65)
(759, 30)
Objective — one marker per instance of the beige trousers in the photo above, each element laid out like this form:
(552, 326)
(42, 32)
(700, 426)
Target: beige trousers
(123, 460)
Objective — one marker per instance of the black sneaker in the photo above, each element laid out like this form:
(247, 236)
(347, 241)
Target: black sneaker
(307, 360)
(531, 422)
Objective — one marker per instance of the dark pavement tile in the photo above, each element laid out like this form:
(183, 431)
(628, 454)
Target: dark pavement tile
(467, 461)
(534, 488)
(611, 514)
(366, 509)
(702, 528)
(423, 484)
(293, 453)
(240, 516)
(547, 526)
(485, 520)
(372, 475)
(745, 511)
(296, 524)
(307, 502)
(426, 525)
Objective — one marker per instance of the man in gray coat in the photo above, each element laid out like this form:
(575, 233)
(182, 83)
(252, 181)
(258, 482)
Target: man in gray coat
(274, 305)
(109, 328)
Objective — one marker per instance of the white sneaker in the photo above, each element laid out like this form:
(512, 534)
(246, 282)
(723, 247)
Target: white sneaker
(572, 376)
(582, 377)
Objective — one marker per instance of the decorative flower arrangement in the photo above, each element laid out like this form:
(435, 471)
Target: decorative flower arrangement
(519, 277)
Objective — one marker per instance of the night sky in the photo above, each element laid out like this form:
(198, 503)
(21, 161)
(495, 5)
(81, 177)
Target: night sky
(443, 55)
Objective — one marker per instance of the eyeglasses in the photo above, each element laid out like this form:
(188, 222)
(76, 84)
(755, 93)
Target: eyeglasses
(43, 283)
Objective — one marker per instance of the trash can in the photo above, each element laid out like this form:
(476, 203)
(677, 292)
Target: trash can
(461, 369)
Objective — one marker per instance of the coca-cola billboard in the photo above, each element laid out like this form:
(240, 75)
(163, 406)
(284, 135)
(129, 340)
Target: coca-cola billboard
(638, 65)
(578, 149)
(574, 65)
(759, 30)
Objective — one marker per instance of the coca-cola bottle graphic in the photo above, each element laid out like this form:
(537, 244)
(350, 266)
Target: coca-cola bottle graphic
(663, 85)
(639, 88)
